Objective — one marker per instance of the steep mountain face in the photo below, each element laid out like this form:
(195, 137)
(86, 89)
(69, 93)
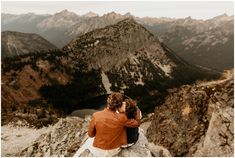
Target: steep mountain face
(22, 78)
(95, 22)
(124, 57)
(56, 27)
(207, 43)
(16, 43)
(196, 120)
(90, 14)
(131, 60)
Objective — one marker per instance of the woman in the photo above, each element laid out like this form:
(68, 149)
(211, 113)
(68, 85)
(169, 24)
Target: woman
(130, 108)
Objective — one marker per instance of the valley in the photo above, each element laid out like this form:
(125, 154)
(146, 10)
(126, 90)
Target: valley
(124, 57)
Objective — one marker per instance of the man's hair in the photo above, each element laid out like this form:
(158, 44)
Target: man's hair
(115, 101)
(131, 108)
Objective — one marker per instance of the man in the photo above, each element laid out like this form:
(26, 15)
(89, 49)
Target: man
(109, 127)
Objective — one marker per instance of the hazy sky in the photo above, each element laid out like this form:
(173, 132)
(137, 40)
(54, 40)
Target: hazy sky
(173, 9)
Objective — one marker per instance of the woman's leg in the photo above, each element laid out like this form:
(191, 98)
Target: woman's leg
(87, 145)
(132, 135)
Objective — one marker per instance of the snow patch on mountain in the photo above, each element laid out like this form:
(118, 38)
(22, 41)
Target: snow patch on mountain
(166, 68)
(123, 87)
(134, 60)
(106, 83)
(96, 42)
(140, 81)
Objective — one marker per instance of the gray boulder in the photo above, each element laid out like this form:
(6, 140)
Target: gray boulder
(63, 139)
(218, 140)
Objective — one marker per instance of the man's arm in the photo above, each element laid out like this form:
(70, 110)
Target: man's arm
(91, 131)
(132, 123)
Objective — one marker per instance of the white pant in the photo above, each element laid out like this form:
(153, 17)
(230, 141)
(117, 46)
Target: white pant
(96, 151)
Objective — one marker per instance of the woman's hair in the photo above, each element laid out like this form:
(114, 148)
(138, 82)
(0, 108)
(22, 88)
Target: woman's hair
(131, 108)
(114, 101)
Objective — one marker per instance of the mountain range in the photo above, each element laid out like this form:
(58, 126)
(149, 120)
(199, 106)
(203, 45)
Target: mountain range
(208, 43)
(124, 57)
(17, 43)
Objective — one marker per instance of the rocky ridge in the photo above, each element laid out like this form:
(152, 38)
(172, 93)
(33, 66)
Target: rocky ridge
(196, 120)
(62, 140)
(67, 136)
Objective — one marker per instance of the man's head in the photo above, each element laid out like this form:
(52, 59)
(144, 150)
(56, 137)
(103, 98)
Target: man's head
(115, 101)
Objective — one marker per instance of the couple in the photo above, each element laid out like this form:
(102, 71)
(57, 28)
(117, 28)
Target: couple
(113, 128)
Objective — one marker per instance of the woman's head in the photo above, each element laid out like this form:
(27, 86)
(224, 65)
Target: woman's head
(126, 100)
(130, 108)
(115, 101)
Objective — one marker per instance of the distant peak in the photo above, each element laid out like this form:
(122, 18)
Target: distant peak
(128, 14)
(224, 14)
(65, 10)
(128, 20)
(30, 13)
(223, 17)
(112, 15)
(91, 14)
(189, 18)
(66, 13)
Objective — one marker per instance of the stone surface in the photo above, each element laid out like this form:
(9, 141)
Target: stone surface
(62, 140)
(69, 134)
(219, 140)
(140, 149)
(158, 151)
(196, 120)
